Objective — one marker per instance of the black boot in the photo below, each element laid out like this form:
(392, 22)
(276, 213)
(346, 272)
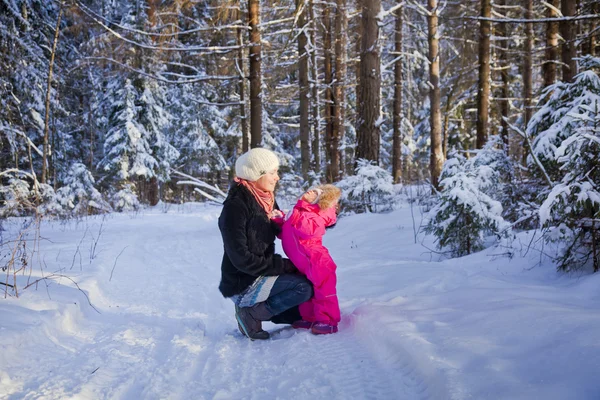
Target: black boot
(249, 320)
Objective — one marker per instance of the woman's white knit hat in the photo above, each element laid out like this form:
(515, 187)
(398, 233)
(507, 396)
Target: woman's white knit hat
(255, 163)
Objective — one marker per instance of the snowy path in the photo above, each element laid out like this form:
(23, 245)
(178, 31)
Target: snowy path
(413, 328)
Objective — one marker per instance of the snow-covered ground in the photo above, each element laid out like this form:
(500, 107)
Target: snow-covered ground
(414, 327)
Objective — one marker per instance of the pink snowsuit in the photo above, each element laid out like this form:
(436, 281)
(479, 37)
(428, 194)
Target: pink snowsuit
(301, 238)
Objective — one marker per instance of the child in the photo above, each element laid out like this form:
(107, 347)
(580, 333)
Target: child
(301, 237)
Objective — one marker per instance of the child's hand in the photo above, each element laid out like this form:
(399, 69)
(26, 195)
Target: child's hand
(310, 196)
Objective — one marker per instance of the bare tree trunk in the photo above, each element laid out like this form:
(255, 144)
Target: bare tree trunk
(358, 38)
(152, 8)
(568, 31)
(504, 69)
(446, 123)
(339, 109)
(242, 87)
(328, 100)
(397, 138)
(528, 72)
(304, 88)
(92, 129)
(549, 66)
(255, 74)
(316, 150)
(370, 84)
(351, 153)
(483, 92)
(48, 92)
(591, 42)
(436, 157)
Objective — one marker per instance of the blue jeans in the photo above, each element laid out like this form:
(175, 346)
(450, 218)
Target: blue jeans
(288, 292)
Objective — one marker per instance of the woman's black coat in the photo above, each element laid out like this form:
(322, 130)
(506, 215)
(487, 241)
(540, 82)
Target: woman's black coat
(249, 242)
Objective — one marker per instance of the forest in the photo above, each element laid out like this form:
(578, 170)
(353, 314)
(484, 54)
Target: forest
(492, 106)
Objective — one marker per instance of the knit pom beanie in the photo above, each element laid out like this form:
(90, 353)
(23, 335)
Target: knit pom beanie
(255, 163)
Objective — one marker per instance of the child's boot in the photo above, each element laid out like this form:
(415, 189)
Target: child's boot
(302, 324)
(321, 328)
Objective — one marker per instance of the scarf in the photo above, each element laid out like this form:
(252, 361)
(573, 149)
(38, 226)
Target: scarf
(265, 199)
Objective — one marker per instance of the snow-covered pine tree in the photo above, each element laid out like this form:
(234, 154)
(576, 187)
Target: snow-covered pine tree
(26, 33)
(127, 151)
(78, 197)
(554, 121)
(370, 190)
(156, 120)
(15, 196)
(567, 144)
(126, 145)
(467, 210)
(135, 146)
(194, 124)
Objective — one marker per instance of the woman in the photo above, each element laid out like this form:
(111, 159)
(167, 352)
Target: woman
(263, 285)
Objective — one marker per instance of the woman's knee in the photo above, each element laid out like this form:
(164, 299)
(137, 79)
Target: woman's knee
(304, 289)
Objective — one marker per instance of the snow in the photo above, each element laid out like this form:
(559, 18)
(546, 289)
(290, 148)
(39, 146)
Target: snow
(413, 326)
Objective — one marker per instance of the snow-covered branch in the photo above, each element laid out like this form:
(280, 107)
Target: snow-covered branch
(92, 14)
(535, 21)
(159, 78)
(532, 153)
(190, 180)
(21, 133)
(391, 10)
(214, 49)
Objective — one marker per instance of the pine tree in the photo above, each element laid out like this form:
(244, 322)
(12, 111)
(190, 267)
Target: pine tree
(567, 144)
(127, 144)
(467, 210)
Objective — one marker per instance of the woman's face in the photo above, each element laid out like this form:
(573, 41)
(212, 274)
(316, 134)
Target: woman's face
(268, 181)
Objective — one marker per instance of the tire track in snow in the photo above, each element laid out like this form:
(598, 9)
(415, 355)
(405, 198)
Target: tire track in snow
(390, 350)
(358, 372)
(302, 366)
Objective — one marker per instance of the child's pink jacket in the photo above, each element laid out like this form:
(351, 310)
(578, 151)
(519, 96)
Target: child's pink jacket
(301, 238)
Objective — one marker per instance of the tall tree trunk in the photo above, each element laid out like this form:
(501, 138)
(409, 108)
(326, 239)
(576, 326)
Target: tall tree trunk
(92, 131)
(328, 100)
(446, 122)
(255, 74)
(436, 160)
(528, 72)
(483, 92)
(358, 44)
(316, 148)
(504, 65)
(397, 138)
(152, 10)
(568, 30)
(549, 66)
(242, 86)
(339, 96)
(370, 84)
(48, 95)
(595, 9)
(303, 89)
(351, 153)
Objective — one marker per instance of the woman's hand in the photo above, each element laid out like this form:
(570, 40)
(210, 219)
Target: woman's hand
(275, 214)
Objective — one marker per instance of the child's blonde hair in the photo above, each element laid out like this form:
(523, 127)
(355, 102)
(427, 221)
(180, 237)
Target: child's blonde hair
(328, 195)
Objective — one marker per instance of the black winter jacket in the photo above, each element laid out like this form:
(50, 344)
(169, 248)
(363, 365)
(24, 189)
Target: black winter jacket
(249, 242)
